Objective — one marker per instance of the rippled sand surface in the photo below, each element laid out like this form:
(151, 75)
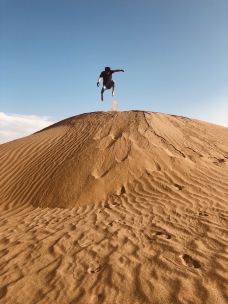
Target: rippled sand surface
(115, 207)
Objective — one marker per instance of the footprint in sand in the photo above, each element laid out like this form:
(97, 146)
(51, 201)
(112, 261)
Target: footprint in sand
(219, 161)
(159, 234)
(94, 268)
(122, 190)
(115, 204)
(178, 187)
(203, 213)
(97, 298)
(111, 205)
(70, 226)
(121, 222)
(189, 261)
(107, 206)
(163, 235)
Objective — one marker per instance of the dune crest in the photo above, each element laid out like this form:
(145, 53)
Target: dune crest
(115, 207)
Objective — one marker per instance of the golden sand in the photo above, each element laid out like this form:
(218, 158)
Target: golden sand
(115, 207)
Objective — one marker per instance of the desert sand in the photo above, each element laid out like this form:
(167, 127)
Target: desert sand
(115, 207)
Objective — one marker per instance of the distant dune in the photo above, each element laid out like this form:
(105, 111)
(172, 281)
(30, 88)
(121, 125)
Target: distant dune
(115, 207)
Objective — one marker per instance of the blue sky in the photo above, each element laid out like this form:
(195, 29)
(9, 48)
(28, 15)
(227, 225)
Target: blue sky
(175, 54)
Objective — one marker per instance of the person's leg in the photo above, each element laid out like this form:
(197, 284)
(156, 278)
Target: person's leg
(113, 88)
(102, 92)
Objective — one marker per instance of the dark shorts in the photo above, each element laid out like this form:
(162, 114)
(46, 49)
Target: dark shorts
(108, 85)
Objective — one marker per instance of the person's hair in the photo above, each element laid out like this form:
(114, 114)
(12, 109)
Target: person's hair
(107, 69)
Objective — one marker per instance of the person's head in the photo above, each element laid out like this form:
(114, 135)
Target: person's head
(107, 69)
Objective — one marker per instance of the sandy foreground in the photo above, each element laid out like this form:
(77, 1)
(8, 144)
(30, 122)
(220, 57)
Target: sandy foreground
(115, 207)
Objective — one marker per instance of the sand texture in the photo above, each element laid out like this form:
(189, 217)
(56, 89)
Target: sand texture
(115, 207)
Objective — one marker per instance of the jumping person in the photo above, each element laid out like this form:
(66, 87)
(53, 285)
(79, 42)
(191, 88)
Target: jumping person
(108, 83)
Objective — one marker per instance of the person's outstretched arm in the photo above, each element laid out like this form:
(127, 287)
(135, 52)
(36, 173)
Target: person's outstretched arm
(114, 71)
(99, 79)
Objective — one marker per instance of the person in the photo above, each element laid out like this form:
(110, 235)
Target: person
(108, 83)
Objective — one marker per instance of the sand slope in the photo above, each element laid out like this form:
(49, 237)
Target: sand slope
(115, 207)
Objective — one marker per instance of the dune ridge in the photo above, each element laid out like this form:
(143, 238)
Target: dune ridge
(115, 207)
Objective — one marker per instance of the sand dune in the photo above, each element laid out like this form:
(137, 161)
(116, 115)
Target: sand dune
(115, 207)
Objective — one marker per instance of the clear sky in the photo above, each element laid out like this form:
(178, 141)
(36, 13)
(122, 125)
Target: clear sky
(175, 53)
